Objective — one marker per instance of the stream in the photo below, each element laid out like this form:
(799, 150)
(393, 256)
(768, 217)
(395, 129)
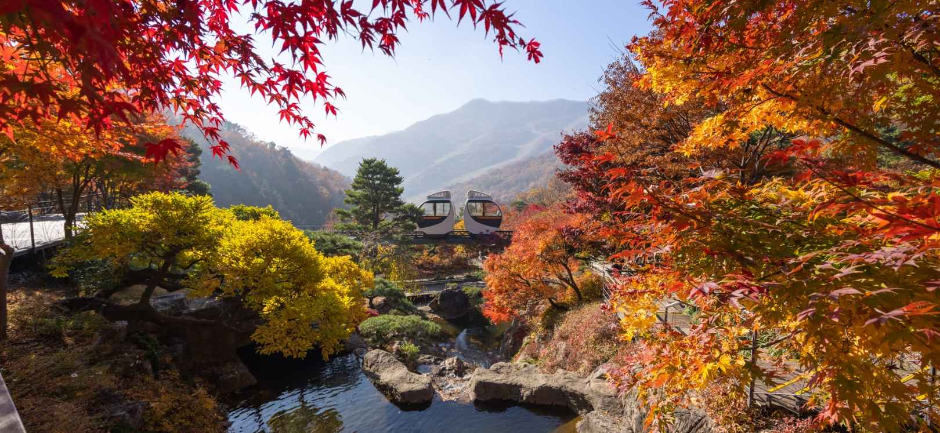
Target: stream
(314, 395)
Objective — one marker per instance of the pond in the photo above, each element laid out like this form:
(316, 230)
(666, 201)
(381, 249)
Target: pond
(335, 396)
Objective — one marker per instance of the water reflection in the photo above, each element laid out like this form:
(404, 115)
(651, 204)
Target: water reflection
(334, 396)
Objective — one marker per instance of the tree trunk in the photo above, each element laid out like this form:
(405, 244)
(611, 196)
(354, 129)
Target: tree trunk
(571, 282)
(62, 209)
(6, 259)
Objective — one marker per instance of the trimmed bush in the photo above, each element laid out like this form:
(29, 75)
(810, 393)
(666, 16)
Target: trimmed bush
(334, 244)
(392, 293)
(382, 330)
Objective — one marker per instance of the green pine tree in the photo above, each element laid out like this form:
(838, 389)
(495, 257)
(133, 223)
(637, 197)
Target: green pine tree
(374, 199)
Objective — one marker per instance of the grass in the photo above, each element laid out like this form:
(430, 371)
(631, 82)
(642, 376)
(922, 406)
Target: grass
(383, 330)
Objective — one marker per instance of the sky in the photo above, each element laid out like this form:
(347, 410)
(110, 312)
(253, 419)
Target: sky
(439, 67)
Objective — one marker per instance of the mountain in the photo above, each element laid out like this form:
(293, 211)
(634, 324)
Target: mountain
(508, 181)
(301, 191)
(455, 147)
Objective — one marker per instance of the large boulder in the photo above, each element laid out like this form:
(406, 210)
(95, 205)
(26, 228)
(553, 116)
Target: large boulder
(451, 304)
(634, 421)
(526, 384)
(392, 378)
(356, 344)
(228, 376)
(513, 339)
(120, 412)
(598, 403)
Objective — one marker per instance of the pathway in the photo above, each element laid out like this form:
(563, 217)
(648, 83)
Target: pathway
(47, 231)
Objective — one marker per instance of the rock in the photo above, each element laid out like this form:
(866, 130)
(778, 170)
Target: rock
(127, 414)
(392, 377)
(111, 334)
(526, 384)
(598, 403)
(355, 342)
(633, 420)
(229, 376)
(132, 364)
(512, 340)
(118, 410)
(601, 371)
(382, 305)
(684, 420)
(454, 365)
(451, 304)
(595, 422)
(425, 359)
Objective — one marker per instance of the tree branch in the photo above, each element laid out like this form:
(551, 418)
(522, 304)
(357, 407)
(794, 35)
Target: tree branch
(851, 127)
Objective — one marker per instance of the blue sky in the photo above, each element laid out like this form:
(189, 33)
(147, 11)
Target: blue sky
(440, 67)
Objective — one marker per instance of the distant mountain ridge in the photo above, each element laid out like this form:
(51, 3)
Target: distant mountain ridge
(452, 148)
(508, 181)
(302, 192)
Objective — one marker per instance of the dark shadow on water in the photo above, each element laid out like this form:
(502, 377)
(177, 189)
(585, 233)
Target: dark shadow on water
(317, 395)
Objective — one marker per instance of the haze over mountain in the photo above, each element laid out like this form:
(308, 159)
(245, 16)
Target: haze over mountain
(452, 148)
(301, 191)
(508, 181)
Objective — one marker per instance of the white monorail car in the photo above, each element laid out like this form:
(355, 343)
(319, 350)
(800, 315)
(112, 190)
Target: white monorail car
(481, 214)
(439, 218)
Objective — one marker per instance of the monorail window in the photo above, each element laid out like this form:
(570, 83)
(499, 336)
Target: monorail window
(483, 209)
(491, 209)
(434, 209)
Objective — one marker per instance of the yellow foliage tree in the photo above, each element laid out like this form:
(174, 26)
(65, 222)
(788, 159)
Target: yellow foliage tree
(178, 242)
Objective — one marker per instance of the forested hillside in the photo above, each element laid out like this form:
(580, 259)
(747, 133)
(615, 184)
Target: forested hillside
(301, 191)
(506, 182)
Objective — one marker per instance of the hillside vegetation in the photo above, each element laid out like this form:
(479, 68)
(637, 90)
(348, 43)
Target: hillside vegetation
(507, 182)
(300, 191)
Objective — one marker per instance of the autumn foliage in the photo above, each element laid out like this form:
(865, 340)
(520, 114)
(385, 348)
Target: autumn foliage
(543, 266)
(97, 63)
(770, 166)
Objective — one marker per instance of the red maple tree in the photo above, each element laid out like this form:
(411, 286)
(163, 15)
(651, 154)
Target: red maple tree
(99, 60)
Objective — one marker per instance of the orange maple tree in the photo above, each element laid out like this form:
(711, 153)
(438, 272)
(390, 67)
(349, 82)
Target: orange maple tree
(544, 264)
(772, 167)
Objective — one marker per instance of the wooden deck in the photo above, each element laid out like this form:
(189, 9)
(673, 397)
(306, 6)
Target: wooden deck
(25, 237)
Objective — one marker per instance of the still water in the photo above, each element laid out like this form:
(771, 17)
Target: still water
(335, 396)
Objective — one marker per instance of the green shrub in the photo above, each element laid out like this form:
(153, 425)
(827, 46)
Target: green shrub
(479, 274)
(409, 350)
(392, 293)
(382, 330)
(334, 244)
(475, 294)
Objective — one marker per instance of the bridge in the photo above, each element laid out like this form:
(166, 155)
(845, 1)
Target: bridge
(35, 234)
(497, 238)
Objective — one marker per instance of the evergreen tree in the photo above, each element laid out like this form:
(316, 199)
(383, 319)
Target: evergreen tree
(374, 198)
